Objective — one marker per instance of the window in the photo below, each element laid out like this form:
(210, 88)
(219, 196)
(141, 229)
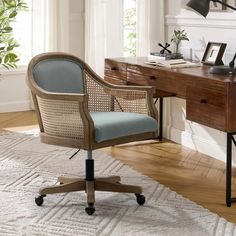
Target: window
(22, 33)
(130, 27)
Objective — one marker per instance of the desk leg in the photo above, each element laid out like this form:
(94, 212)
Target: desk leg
(228, 169)
(160, 119)
(230, 138)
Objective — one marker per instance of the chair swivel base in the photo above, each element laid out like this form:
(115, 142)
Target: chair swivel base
(110, 184)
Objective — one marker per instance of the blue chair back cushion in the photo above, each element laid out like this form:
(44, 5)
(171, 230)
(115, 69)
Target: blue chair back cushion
(112, 125)
(59, 75)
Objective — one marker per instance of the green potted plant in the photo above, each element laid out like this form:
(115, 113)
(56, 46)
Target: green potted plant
(177, 37)
(8, 12)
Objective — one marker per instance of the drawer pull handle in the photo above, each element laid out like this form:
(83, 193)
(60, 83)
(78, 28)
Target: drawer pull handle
(152, 77)
(204, 101)
(113, 68)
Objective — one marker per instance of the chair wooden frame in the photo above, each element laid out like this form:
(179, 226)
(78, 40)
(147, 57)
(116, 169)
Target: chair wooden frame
(115, 98)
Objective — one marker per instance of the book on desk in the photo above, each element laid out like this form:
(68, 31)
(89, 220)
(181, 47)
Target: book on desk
(175, 63)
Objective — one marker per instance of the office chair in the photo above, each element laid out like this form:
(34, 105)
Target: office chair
(76, 108)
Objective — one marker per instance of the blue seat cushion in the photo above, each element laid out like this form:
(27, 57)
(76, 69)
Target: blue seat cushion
(112, 125)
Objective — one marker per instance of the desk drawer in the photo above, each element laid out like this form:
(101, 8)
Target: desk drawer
(140, 79)
(207, 107)
(115, 81)
(167, 87)
(115, 69)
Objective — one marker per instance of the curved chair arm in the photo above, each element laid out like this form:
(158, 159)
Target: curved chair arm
(137, 99)
(65, 115)
(111, 87)
(131, 92)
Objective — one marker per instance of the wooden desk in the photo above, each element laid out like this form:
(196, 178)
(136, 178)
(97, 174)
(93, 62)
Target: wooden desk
(210, 99)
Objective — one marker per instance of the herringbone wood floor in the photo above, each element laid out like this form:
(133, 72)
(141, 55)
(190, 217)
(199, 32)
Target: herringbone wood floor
(194, 175)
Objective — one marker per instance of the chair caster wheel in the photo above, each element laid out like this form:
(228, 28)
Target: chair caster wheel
(140, 199)
(39, 200)
(90, 209)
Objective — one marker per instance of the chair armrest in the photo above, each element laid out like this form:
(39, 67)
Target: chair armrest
(130, 92)
(70, 113)
(114, 90)
(137, 99)
(61, 96)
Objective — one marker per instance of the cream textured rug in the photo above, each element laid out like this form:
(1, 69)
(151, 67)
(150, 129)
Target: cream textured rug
(26, 165)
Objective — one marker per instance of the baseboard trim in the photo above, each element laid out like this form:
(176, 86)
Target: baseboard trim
(208, 147)
(15, 106)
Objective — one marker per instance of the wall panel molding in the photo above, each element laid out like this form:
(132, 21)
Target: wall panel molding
(213, 20)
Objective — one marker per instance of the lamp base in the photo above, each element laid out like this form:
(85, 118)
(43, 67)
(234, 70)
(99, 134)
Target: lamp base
(223, 70)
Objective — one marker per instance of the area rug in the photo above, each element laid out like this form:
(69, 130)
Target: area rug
(26, 165)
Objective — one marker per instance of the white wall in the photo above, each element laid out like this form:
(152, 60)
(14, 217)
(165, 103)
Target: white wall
(217, 27)
(76, 31)
(14, 93)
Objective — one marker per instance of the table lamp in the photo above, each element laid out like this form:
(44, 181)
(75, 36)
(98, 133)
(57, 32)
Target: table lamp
(202, 7)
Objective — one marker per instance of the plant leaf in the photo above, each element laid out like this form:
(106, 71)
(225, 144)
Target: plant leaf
(7, 29)
(2, 12)
(13, 14)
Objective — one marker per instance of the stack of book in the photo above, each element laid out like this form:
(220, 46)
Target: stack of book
(156, 56)
(176, 63)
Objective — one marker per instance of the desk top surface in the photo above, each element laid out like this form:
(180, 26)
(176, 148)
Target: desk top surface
(198, 72)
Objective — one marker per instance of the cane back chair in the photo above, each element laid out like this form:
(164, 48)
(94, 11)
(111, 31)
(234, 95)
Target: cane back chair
(76, 108)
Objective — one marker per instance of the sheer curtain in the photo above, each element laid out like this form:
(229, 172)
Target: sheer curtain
(103, 32)
(95, 34)
(150, 25)
(50, 26)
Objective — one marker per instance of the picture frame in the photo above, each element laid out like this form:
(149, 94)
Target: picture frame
(214, 53)
(219, 7)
